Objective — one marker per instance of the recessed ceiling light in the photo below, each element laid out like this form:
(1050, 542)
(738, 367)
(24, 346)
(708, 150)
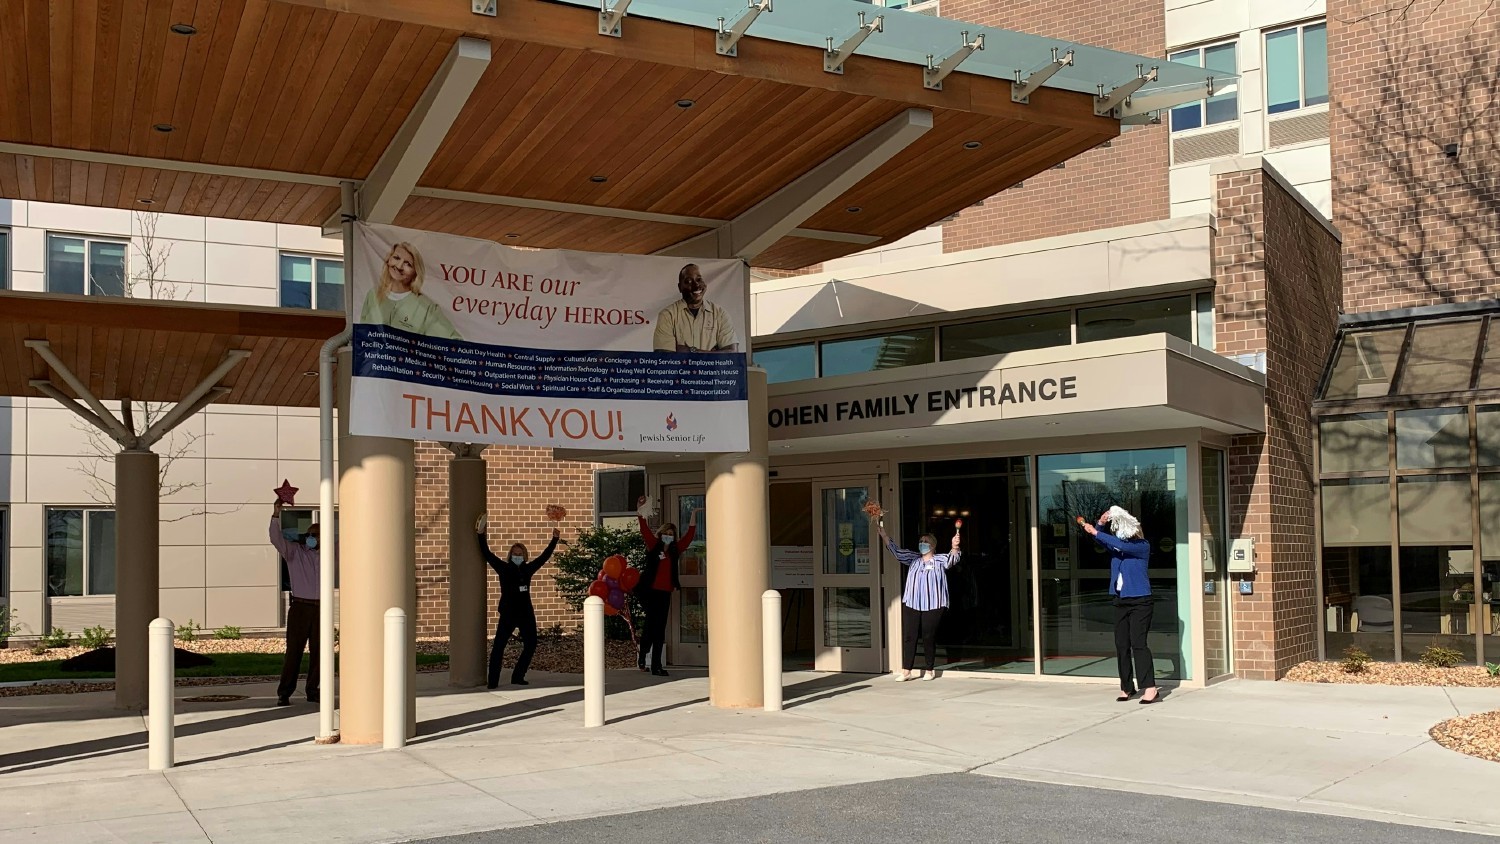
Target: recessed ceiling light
(146, 201)
(512, 236)
(184, 29)
(311, 373)
(854, 209)
(685, 104)
(598, 180)
(972, 145)
(163, 127)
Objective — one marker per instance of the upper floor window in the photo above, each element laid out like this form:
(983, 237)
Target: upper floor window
(80, 551)
(1297, 67)
(867, 354)
(309, 281)
(4, 259)
(1173, 316)
(788, 363)
(1220, 108)
(86, 265)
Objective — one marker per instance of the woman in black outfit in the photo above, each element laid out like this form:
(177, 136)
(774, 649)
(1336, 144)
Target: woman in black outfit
(515, 603)
(659, 579)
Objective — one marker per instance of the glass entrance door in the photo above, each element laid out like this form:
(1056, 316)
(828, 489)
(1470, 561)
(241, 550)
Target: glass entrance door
(846, 579)
(688, 627)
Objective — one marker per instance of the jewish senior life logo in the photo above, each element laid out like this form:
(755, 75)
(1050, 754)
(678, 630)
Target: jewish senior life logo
(671, 422)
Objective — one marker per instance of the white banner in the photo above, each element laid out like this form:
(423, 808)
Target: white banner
(457, 339)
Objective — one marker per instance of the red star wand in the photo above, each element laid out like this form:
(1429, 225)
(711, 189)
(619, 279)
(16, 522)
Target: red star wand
(286, 493)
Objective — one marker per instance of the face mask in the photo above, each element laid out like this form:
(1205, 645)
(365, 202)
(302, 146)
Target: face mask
(517, 559)
(667, 538)
(924, 548)
(312, 542)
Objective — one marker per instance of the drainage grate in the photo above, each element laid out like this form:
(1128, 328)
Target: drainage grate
(214, 698)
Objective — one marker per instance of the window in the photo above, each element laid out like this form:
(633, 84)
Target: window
(1220, 108)
(1002, 336)
(867, 354)
(1365, 363)
(1132, 319)
(80, 552)
(1356, 443)
(1205, 315)
(1432, 439)
(615, 493)
(1296, 68)
(788, 363)
(295, 521)
(4, 259)
(312, 282)
(83, 265)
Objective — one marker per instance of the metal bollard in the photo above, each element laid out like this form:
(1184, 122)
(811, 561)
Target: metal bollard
(159, 713)
(393, 728)
(770, 644)
(593, 661)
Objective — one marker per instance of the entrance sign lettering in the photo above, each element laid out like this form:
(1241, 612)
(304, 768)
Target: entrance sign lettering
(457, 339)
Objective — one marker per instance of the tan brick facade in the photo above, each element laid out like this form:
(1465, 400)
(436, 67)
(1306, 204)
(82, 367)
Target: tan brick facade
(1278, 272)
(1408, 79)
(1117, 185)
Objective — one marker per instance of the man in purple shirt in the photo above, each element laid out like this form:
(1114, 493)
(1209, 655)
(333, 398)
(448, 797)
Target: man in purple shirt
(303, 567)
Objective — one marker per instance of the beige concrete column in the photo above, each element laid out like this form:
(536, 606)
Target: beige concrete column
(468, 580)
(137, 570)
(739, 567)
(377, 562)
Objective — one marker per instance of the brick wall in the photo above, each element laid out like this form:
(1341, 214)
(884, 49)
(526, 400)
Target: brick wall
(522, 481)
(1407, 79)
(1118, 185)
(1278, 275)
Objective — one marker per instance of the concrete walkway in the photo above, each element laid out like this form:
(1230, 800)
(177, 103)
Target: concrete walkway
(73, 770)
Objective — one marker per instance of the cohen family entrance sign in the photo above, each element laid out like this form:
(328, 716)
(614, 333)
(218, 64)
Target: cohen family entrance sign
(468, 340)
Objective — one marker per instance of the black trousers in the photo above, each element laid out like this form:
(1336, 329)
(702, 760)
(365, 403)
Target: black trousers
(301, 633)
(658, 605)
(514, 615)
(1132, 623)
(915, 624)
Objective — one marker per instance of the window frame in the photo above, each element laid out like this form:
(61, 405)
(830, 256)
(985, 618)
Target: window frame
(316, 258)
(1302, 105)
(1202, 105)
(126, 283)
(7, 245)
(83, 539)
(600, 514)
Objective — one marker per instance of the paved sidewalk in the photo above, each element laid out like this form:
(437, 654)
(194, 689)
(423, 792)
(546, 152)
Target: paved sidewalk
(73, 770)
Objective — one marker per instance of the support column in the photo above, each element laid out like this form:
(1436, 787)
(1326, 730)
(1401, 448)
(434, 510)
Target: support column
(738, 507)
(137, 571)
(468, 576)
(377, 558)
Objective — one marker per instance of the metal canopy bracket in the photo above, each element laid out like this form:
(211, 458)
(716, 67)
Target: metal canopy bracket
(1113, 103)
(834, 57)
(609, 19)
(1170, 97)
(934, 74)
(1021, 91)
(484, 7)
(725, 43)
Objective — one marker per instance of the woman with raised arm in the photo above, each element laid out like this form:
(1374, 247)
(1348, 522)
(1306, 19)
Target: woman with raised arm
(923, 600)
(516, 612)
(659, 579)
(1129, 556)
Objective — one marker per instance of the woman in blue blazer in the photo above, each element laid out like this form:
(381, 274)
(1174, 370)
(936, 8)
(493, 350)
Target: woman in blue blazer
(1129, 555)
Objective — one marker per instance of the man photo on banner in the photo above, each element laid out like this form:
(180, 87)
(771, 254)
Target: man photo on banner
(397, 300)
(691, 324)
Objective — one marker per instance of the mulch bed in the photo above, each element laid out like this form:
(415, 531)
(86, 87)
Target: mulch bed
(558, 655)
(1477, 735)
(1393, 674)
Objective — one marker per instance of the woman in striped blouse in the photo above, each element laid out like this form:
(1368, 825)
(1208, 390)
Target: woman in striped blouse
(923, 600)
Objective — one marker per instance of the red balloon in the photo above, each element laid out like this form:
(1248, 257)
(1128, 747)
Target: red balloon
(609, 610)
(630, 579)
(599, 589)
(614, 566)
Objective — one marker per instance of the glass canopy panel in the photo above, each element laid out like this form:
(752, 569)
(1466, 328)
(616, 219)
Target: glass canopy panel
(1365, 364)
(910, 37)
(1441, 359)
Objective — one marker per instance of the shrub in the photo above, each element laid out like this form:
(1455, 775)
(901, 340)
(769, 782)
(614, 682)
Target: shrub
(1493, 668)
(580, 563)
(228, 631)
(8, 626)
(38, 649)
(1440, 657)
(1355, 661)
(56, 638)
(189, 631)
(96, 637)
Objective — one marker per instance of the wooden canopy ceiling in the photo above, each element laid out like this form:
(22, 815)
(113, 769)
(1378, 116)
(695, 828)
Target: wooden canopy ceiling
(159, 351)
(103, 104)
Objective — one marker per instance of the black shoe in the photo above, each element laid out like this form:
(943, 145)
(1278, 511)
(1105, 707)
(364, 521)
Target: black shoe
(492, 685)
(660, 672)
(516, 681)
(1156, 699)
(641, 662)
(282, 701)
(312, 698)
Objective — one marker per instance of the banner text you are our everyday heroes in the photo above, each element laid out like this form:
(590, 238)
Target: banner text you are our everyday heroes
(543, 315)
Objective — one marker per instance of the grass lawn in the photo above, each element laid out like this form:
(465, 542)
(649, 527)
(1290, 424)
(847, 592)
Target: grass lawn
(225, 665)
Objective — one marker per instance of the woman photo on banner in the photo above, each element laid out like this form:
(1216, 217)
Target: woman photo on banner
(516, 611)
(659, 579)
(397, 300)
